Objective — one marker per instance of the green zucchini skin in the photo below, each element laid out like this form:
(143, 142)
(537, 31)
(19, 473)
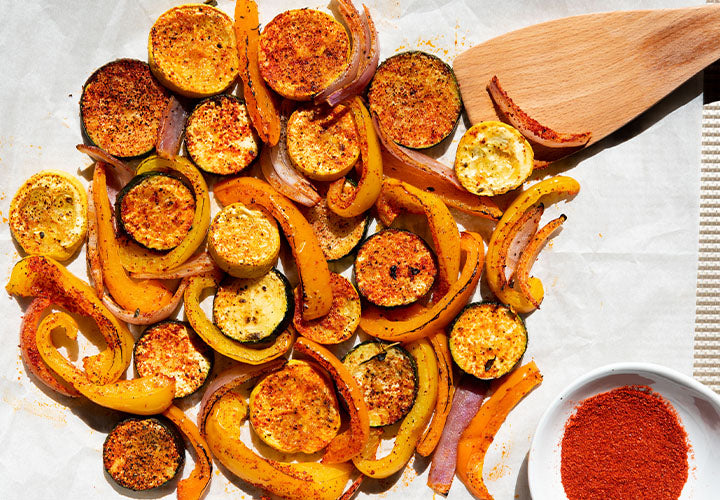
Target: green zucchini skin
(143, 453)
(487, 340)
(162, 338)
(416, 113)
(373, 361)
(226, 320)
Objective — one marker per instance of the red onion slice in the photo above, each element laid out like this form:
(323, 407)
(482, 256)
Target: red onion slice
(528, 126)
(199, 264)
(122, 170)
(172, 127)
(146, 318)
(525, 229)
(467, 401)
(92, 252)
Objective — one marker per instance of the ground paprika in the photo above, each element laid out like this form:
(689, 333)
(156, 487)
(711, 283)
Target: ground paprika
(627, 443)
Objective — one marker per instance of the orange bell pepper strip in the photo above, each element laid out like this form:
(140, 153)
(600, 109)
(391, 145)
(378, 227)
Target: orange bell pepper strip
(142, 396)
(444, 230)
(192, 487)
(259, 100)
(345, 199)
(140, 296)
(142, 261)
(494, 266)
(479, 434)
(309, 258)
(425, 321)
(414, 422)
(351, 442)
(40, 276)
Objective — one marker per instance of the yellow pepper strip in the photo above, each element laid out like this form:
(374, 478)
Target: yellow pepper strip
(444, 230)
(559, 185)
(479, 434)
(345, 199)
(142, 396)
(414, 423)
(39, 276)
(140, 296)
(351, 442)
(140, 260)
(309, 258)
(426, 321)
(446, 391)
(296, 481)
(215, 338)
(527, 259)
(192, 487)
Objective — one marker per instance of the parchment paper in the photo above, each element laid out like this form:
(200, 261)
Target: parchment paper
(619, 279)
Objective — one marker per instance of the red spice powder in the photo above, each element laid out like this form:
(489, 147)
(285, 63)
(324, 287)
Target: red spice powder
(624, 444)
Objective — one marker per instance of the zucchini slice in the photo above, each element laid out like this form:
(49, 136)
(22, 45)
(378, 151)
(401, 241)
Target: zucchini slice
(323, 142)
(487, 340)
(121, 107)
(493, 158)
(301, 52)
(254, 309)
(48, 215)
(143, 453)
(173, 348)
(192, 50)
(340, 323)
(416, 99)
(219, 136)
(387, 375)
(295, 409)
(156, 210)
(338, 236)
(244, 242)
(394, 268)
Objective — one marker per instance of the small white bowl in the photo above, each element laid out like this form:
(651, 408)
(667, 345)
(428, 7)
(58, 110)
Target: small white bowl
(697, 406)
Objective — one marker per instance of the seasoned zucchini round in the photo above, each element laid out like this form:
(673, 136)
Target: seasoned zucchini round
(244, 242)
(192, 50)
(294, 409)
(121, 107)
(143, 453)
(338, 236)
(156, 210)
(301, 52)
(173, 348)
(487, 339)
(387, 376)
(493, 158)
(48, 215)
(219, 136)
(254, 309)
(323, 142)
(394, 268)
(337, 325)
(416, 99)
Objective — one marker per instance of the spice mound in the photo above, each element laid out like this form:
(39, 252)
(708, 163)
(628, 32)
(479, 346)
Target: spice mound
(627, 443)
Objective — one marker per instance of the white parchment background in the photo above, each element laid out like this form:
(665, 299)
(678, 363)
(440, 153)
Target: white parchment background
(620, 278)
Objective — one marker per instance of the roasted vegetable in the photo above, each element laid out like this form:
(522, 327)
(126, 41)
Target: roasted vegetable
(219, 136)
(254, 309)
(193, 486)
(192, 50)
(416, 99)
(244, 242)
(338, 236)
(394, 268)
(48, 215)
(141, 454)
(302, 52)
(172, 348)
(487, 340)
(121, 107)
(387, 376)
(294, 409)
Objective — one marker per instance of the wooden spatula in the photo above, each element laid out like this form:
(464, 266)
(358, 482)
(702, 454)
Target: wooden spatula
(593, 72)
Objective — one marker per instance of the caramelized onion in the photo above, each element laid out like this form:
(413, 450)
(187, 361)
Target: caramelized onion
(122, 170)
(172, 126)
(199, 264)
(146, 318)
(92, 253)
(519, 236)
